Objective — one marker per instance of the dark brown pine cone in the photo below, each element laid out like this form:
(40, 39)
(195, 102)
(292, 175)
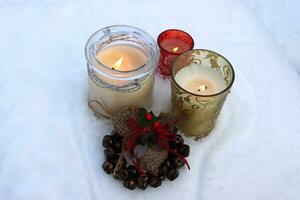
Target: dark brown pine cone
(173, 174)
(130, 184)
(117, 146)
(166, 163)
(184, 150)
(179, 163)
(108, 167)
(122, 174)
(154, 181)
(162, 173)
(177, 142)
(171, 162)
(109, 154)
(116, 137)
(142, 182)
(107, 141)
(165, 169)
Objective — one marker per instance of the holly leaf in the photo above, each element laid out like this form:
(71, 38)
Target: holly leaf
(142, 117)
(154, 118)
(143, 122)
(142, 112)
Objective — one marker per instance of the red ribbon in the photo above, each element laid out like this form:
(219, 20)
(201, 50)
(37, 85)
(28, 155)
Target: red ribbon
(163, 135)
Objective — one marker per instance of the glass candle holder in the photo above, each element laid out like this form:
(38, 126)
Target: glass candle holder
(121, 61)
(172, 43)
(200, 82)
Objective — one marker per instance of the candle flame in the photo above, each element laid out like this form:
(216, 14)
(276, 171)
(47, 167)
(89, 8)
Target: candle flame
(175, 49)
(202, 88)
(118, 63)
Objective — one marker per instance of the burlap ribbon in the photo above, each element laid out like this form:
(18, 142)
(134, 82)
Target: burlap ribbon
(153, 156)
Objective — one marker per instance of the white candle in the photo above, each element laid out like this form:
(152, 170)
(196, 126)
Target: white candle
(108, 101)
(200, 80)
(122, 57)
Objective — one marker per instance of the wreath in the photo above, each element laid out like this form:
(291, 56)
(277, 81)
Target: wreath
(144, 149)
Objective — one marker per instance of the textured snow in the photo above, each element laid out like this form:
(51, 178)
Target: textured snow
(50, 146)
(281, 20)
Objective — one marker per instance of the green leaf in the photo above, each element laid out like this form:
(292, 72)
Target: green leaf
(143, 122)
(142, 112)
(142, 117)
(154, 118)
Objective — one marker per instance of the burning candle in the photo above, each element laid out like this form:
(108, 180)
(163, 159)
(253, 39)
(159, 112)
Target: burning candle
(172, 43)
(201, 81)
(121, 63)
(122, 57)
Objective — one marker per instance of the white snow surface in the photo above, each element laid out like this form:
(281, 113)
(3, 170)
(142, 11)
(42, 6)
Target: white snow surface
(281, 20)
(50, 142)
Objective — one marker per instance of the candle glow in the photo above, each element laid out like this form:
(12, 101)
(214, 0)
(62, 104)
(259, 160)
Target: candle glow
(202, 88)
(201, 81)
(122, 57)
(172, 43)
(117, 65)
(175, 49)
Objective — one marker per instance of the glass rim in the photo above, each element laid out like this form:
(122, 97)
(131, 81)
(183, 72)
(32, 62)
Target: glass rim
(178, 30)
(199, 95)
(106, 71)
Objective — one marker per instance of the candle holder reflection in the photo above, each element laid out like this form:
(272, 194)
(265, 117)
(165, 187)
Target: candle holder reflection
(200, 83)
(121, 61)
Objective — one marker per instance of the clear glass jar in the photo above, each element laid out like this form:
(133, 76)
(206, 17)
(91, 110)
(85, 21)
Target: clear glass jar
(110, 90)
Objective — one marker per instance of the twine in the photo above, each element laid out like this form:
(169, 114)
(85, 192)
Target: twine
(108, 113)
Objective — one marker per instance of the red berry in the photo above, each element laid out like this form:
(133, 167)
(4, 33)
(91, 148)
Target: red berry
(148, 116)
(156, 124)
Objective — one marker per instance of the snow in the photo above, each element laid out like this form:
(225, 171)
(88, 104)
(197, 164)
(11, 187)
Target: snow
(281, 20)
(50, 146)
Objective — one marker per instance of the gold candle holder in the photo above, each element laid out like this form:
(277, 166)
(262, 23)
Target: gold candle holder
(198, 106)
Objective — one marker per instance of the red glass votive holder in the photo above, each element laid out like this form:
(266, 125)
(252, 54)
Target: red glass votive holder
(172, 43)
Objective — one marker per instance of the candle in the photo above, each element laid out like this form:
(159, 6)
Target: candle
(175, 45)
(172, 43)
(107, 102)
(201, 81)
(122, 57)
(121, 62)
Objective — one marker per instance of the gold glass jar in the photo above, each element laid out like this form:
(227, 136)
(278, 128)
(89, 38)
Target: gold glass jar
(197, 112)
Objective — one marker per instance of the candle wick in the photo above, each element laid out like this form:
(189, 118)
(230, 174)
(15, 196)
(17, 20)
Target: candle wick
(113, 68)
